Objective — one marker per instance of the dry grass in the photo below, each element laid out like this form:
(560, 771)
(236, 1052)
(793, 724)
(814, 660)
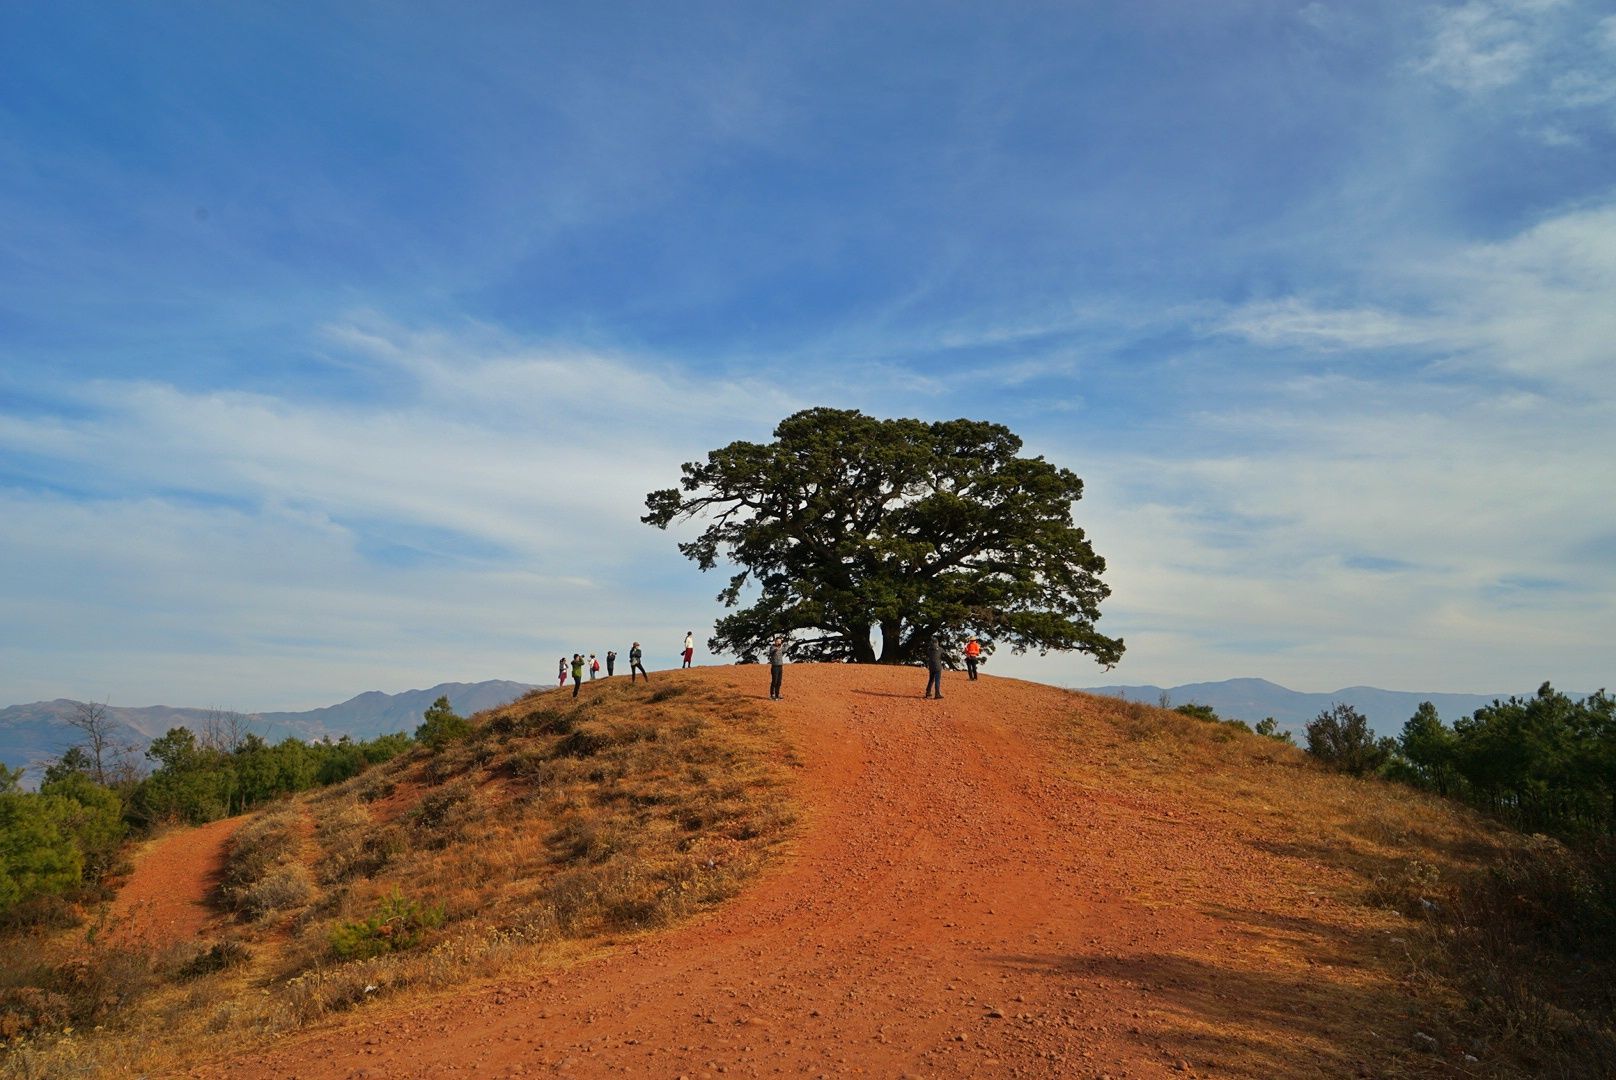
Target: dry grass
(1499, 948)
(554, 826)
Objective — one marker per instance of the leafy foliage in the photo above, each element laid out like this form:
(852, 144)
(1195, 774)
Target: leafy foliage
(196, 782)
(1340, 737)
(1545, 762)
(397, 923)
(846, 522)
(38, 855)
(1269, 728)
(441, 726)
(93, 817)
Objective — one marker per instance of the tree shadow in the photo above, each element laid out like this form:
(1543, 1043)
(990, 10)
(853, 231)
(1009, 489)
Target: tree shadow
(1226, 1021)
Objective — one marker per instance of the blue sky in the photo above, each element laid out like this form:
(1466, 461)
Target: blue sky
(340, 343)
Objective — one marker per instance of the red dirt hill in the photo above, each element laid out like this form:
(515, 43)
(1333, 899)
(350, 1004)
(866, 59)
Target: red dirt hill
(1016, 880)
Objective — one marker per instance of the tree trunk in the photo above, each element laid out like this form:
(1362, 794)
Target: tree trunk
(891, 641)
(863, 652)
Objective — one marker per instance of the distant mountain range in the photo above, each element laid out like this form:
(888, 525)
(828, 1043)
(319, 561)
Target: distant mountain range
(33, 734)
(1252, 700)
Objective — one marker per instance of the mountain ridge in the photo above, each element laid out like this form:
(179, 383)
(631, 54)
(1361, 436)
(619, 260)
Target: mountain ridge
(36, 732)
(1252, 699)
(33, 733)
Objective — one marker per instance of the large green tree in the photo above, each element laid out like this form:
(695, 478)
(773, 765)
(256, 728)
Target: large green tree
(852, 527)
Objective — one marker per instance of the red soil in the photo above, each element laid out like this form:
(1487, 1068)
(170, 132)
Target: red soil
(165, 900)
(958, 904)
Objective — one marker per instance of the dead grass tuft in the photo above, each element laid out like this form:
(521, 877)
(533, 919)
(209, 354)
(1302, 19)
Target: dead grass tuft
(552, 823)
(264, 872)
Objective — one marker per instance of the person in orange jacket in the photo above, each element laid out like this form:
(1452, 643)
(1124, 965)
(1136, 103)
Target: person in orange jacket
(973, 651)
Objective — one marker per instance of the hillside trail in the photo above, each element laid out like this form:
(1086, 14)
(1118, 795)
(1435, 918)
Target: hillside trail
(165, 899)
(958, 903)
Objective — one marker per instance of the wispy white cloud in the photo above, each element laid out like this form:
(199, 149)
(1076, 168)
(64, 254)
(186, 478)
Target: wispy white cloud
(1537, 304)
(1548, 58)
(1394, 466)
(1296, 322)
(486, 506)
(1481, 45)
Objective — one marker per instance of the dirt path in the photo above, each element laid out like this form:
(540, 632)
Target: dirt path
(959, 905)
(165, 899)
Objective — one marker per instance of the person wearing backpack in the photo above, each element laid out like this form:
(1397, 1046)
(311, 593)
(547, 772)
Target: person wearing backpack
(634, 663)
(594, 667)
(577, 672)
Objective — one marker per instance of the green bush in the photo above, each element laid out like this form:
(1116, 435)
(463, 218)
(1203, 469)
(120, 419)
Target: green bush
(398, 923)
(93, 817)
(1340, 738)
(39, 855)
(441, 727)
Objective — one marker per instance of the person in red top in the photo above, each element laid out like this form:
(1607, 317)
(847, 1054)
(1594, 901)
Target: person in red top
(973, 650)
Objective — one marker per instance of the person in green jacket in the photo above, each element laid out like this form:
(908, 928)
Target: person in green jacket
(577, 672)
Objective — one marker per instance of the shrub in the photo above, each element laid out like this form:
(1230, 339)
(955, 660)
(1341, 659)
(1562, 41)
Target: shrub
(27, 1009)
(1340, 738)
(220, 956)
(376, 785)
(398, 923)
(38, 852)
(260, 873)
(282, 888)
(441, 726)
(441, 817)
(1530, 940)
(1268, 727)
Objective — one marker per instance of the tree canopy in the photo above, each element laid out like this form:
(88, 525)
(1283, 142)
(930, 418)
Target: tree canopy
(848, 524)
(1340, 737)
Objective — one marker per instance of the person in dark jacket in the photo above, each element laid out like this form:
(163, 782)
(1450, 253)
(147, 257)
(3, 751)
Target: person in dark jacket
(611, 663)
(634, 663)
(777, 666)
(934, 668)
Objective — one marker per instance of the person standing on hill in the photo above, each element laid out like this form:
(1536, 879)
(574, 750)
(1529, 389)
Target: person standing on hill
(934, 668)
(594, 667)
(577, 672)
(973, 652)
(777, 666)
(611, 663)
(561, 673)
(690, 647)
(634, 663)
